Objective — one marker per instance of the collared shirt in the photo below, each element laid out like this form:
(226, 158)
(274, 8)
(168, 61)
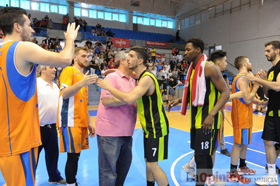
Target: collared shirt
(120, 120)
(47, 101)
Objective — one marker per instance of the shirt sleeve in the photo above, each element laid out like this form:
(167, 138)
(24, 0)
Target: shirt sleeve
(66, 77)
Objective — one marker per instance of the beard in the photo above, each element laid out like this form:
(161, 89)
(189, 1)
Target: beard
(81, 64)
(25, 36)
(271, 57)
(133, 67)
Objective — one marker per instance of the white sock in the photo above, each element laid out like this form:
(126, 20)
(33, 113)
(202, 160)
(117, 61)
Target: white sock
(192, 162)
(71, 184)
(271, 169)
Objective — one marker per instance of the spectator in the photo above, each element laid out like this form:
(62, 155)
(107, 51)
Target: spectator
(76, 21)
(163, 59)
(44, 45)
(44, 23)
(93, 31)
(98, 26)
(182, 72)
(98, 32)
(84, 24)
(123, 48)
(154, 70)
(52, 46)
(65, 21)
(56, 41)
(112, 64)
(34, 40)
(173, 50)
(178, 35)
(46, 18)
(47, 41)
(153, 54)
(58, 47)
(103, 34)
(103, 72)
(37, 25)
(50, 24)
(110, 33)
(109, 43)
(89, 43)
(175, 73)
(172, 87)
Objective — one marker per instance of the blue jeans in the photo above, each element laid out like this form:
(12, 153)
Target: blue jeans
(114, 159)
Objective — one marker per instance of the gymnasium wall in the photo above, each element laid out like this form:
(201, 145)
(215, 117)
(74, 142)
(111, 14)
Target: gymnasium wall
(57, 18)
(244, 31)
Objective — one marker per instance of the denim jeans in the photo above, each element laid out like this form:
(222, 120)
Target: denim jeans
(114, 159)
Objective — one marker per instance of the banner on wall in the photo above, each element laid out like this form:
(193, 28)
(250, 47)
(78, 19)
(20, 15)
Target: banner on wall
(119, 42)
(155, 43)
(159, 56)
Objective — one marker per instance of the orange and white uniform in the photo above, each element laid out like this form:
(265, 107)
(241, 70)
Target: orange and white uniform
(73, 114)
(242, 116)
(19, 120)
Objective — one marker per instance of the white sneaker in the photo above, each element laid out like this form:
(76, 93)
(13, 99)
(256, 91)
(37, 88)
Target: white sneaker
(268, 180)
(190, 170)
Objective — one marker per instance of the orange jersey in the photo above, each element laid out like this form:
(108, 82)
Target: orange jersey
(73, 111)
(241, 114)
(19, 115)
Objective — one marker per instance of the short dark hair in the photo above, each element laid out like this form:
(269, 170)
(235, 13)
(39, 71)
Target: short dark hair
(9, 16)
(218, 54)
(239, 61)
(197, 43)
(275, 44)
(141, 53)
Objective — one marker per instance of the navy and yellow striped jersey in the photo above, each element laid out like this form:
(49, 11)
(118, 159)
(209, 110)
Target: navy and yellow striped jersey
(199, 113)
(151, 112)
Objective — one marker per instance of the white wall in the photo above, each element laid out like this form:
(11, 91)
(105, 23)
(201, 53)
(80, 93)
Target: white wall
(242, 32)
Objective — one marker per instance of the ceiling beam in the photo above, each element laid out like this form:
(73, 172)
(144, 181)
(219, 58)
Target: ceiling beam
(108, 2)
(154, 5)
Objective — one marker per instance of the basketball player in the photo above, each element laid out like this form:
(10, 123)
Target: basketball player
(151, 113)
(20, 129)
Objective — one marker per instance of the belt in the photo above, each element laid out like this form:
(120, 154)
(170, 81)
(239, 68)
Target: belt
(48, 125)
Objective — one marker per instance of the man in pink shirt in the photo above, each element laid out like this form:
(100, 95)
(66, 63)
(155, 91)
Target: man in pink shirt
(115, 124)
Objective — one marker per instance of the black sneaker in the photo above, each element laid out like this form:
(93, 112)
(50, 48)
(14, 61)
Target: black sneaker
(60, 182)
(277, 169)
(225, 152)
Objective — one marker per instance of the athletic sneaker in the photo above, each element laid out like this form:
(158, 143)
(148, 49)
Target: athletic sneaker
(225, 152)
(60, 182)
(277, 169)
(213, 181)
(190, 170)
(232, 177)
(268, 180)
(246, 170)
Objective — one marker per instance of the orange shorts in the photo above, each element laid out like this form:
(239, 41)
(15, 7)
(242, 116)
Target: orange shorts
(20, 169)
(73, 139)
(242, 136)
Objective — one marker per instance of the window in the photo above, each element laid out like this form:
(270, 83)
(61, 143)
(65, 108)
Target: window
(158, 23)
(62, 9)
(146, 21)
(84, 13)
(115, 17)
(108, 16)
(92, 14)
(77, 12)
(25, 4)
(122, 18)
(100, 15)
(4, 2)
(44, 7)
(152, 22)
(169, 24)
(164, 23)
(15, 3)
(53, 9)
(139, 20)
(35, 6)
(134, 20)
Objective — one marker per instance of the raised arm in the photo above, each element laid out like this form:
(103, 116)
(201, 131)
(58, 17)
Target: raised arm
(28, 53)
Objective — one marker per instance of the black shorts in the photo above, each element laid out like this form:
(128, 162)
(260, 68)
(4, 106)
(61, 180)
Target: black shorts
(203, 143)
(164, 92)
(156, 149)
(271, 128)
